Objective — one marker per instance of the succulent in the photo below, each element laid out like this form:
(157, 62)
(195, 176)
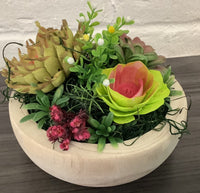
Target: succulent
(102, 131)
(136, 50)
(43, 67)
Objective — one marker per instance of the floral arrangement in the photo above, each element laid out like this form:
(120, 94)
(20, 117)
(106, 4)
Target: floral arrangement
(102, 88)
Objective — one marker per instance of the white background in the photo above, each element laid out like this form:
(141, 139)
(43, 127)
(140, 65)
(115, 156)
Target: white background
(172, 27)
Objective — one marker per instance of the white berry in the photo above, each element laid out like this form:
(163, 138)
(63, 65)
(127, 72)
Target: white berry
(70, 60)
(100, 42)
(106, 82)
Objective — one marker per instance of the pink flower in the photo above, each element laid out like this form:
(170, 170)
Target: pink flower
(77, 122)
(65, 144)
(82, 135)
(56, 113)
(78, 127)
(55, 132)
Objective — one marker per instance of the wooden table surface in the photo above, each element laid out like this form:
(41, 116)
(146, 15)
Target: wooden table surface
(180, 173)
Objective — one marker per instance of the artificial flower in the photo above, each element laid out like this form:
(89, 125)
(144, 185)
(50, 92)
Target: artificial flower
(55, 132)
(136, 91)
(111, 29)
(78, 127)
(65, 144)
(56, 113)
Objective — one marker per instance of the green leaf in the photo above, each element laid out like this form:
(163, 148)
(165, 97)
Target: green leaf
(118, 140)
(42, 98)
(77, 69)
(113, 141)
(114, 57)
(166, 74)
(94, 15)
(101, 127)
(113, 127)
(176, 93)
(35, 106)
(81, 15)
(39, 115)
(114, 40)
(94, 23)
(109, 129)
(89, 5)
(39, 95)
(118, 21)
(93, 138)
(109, 119)
(97, 36)
(93, 122)
(62, 100)
(170, 81)
(123, 20)
(89, 15)
(58, 94)
(130, 22)
(103, 58)
(27, 117)
(95, 53)
(45, 101)
(101, 144)
(41, 123)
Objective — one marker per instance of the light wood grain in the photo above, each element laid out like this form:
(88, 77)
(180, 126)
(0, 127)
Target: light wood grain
(180, 173)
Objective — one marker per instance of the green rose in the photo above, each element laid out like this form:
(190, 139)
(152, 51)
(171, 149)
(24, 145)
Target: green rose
(136, 91)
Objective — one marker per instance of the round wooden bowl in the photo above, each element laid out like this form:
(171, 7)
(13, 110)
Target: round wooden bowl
(83, 165)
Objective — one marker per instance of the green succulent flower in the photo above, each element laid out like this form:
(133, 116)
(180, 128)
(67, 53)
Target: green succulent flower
(136, 91)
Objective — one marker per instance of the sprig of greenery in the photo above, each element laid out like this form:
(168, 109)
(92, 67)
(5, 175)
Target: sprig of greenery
(169, 79)
(88, 23)
(40, 110)
(104, 131)
(99, 56)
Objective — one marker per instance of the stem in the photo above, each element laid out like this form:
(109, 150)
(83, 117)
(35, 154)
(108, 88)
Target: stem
(3, 54)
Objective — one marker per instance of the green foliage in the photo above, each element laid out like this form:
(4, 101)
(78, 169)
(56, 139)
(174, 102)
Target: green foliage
(98, 56)
(88, 23)
(40, 111)
(128, 51)
(82, 98)
(88, 74)
(104, 131)
(169, 79)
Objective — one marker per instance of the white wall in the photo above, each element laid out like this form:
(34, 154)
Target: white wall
(172, 27)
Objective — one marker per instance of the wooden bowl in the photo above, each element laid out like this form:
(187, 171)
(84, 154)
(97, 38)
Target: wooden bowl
(83, 165)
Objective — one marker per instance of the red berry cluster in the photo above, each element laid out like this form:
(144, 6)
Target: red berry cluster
(67, 126)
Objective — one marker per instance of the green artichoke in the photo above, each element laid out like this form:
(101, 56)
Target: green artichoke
(43, 67)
